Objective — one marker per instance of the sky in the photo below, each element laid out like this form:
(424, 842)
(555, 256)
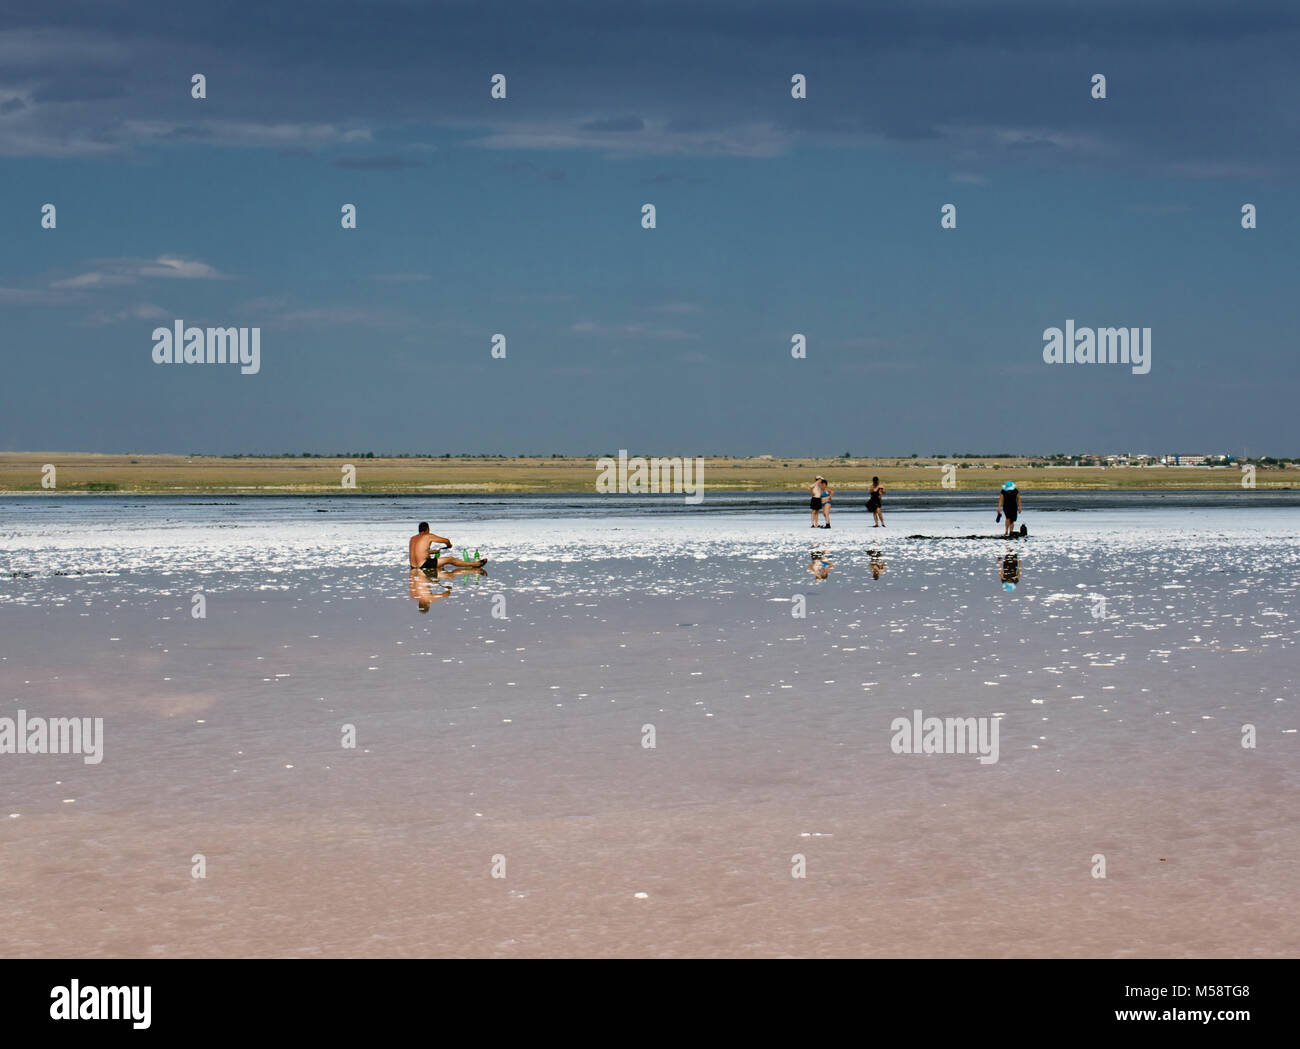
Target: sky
(774, 216)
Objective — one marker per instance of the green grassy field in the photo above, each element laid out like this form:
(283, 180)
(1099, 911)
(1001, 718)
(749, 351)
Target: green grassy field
(179, 474)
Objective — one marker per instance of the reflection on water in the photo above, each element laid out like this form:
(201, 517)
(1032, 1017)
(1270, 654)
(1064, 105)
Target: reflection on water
(876, 562)
(821, 564)
(162, 551)
(421, 584)
(1009, 570)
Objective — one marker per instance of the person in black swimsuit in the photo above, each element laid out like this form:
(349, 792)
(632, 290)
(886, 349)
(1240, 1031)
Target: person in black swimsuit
(1009, 505)
(875, 504)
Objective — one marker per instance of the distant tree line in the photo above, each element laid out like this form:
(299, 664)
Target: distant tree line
(382, 455)
(1056, 459)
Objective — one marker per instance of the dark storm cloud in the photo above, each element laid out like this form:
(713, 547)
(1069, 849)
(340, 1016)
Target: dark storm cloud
(88, 87)
(986, 83)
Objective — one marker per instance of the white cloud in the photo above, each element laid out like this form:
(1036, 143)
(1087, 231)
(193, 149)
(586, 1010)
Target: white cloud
(266, 302)
(24, 296)
(186, 269)
(93, 280)
(144, 311)
(753, 139)
(244, 133)
(116, 272)
(639, 331)
(331, 315)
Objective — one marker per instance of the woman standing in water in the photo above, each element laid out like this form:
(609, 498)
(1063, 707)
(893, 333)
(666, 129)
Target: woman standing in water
(874, 503)
(1009, 505)
(828, 493)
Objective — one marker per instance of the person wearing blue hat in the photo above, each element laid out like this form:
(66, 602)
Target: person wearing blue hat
(1009, 505)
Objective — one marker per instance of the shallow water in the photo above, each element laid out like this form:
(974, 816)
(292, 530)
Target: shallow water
(1121, 669)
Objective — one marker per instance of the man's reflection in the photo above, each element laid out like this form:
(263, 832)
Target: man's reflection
(422, 586)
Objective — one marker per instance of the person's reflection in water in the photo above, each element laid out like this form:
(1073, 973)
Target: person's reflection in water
(821, 564)
(876, 563)
(1009, 569)
(421, 586)
(421, 590)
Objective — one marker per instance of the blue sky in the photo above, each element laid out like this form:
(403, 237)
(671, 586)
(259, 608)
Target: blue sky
(775, 216)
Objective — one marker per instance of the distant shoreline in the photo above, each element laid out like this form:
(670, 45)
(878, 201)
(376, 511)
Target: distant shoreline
(22, 473)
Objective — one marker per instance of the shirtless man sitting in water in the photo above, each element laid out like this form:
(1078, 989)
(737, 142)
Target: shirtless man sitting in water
(420, 557)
